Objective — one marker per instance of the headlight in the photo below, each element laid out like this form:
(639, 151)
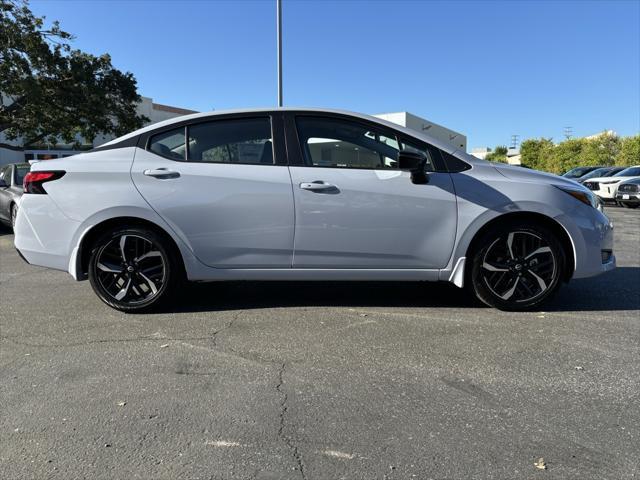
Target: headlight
(585, 196)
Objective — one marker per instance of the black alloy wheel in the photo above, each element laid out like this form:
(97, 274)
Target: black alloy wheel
(517, 267)
(132, 269)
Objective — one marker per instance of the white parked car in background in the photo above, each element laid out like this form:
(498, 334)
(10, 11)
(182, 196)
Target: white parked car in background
(607, 187)
(293, 194)
(629, 193)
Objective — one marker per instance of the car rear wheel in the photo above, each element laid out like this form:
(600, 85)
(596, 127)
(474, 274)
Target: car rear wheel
(133, 269)
(517, 267)
(629, 205)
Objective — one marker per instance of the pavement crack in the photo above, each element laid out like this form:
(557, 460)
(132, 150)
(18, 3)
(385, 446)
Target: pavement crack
(283, 413)
(229, 324)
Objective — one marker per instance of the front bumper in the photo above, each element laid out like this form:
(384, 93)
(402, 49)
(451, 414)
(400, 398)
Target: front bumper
(607, 192)
(628, 197)
(593, 243)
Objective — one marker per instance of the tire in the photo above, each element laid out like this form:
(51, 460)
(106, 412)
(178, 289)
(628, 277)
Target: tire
(629, 205)
(134, 269)
(13, 215)
(517, 266)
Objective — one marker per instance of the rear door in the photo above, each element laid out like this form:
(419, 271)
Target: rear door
(355, 208)
(223, 185)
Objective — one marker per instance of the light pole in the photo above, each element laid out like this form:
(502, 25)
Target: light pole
(279, 32)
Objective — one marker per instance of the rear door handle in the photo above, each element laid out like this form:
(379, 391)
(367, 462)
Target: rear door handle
(319, 186)
(162, 173)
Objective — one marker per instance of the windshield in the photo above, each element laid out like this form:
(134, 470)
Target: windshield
(629, 172)
(578, 172)
(598, 172)
(612, 172)
(21, 171)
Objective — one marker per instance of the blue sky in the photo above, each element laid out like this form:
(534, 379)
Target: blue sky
(488, 69)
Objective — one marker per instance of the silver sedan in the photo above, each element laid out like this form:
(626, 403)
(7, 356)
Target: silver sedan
(11, 177)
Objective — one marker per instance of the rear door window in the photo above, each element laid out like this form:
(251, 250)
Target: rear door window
(243, 141)
(170, 144)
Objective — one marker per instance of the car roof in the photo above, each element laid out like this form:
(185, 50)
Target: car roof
(195, 116)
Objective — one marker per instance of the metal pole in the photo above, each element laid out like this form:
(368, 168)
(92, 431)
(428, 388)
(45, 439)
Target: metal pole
(279, 8)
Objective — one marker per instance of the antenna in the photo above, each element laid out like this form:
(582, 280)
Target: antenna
(514, 141)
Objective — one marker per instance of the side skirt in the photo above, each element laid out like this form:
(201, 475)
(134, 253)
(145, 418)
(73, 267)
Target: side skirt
(320, 274)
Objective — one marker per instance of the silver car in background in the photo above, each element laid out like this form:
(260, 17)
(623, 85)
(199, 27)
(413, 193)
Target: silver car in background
(11, 177)
(305, 194)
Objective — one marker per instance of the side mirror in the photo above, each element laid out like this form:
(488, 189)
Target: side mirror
(415, 163)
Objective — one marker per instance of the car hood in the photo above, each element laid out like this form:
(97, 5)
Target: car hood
(521, 174)
(609, 179)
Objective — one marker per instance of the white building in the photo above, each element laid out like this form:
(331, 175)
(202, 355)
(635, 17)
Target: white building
(444, 134)
(513, 154)
(480, 152)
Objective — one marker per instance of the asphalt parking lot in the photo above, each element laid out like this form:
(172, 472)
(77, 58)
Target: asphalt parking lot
(320, 380)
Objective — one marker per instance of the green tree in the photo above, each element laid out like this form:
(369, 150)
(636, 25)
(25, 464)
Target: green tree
(629, 152)
(536, 153)
(50, 90)
(565, 156)
(499, 154)
(601, 150)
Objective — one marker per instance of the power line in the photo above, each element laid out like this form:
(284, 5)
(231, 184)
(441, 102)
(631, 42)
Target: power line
(568, 132)
(514, 141)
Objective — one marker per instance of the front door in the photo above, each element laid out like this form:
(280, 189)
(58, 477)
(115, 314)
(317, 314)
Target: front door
(222, 187)
(356, 209)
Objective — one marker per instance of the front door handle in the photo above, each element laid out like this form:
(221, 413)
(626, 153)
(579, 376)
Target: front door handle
(162, 173)
(319, 186)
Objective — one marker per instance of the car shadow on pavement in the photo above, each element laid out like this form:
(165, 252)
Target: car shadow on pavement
(616, 290)
(4, 230)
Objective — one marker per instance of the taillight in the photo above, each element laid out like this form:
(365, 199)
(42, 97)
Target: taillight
(33, 181)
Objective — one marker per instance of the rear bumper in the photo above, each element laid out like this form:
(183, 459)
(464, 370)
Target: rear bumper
(43, 234)
(22, 256)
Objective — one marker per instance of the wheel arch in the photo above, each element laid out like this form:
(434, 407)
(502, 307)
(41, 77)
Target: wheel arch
(91, 235)
(532, 218)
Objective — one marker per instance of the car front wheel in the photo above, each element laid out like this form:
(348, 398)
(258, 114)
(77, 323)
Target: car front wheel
(133, 269)
(517, 266)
